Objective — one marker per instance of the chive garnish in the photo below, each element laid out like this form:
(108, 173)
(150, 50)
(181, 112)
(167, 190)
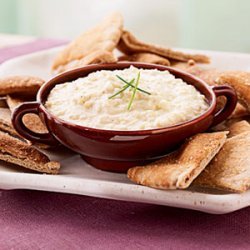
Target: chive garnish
(134, 90)
(123, 89)
(132, 87)
(142, 90)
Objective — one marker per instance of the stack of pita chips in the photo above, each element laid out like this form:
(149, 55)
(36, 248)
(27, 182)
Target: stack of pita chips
(178, 169)
(208, 160)
(215, 161)
(98, 44)
(13, 148)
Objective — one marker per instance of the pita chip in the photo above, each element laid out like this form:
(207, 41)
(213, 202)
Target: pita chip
(230, 169)
(178, 169)
(129, 44)
(102, 38)
(20, 153)
(21, 85)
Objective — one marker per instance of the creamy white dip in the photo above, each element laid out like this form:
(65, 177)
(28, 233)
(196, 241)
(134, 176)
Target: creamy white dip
(86, 101)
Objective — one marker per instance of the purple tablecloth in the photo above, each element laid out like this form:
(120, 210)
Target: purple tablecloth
(41, 220)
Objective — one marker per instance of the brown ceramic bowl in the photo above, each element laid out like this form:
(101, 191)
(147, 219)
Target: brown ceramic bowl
(118, 150)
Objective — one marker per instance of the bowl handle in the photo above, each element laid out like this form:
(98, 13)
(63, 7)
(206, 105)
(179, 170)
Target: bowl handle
(17, 121)
(226, 111)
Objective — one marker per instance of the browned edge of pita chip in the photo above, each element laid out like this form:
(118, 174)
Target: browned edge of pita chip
(20, 153)
(129, 44)
(229, 170)
(178, 169)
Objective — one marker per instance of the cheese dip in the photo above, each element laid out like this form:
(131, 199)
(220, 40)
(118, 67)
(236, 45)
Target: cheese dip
(99, 101)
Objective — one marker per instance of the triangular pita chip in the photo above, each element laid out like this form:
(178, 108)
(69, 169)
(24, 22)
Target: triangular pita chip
(230, 169)
(129, 44)
(20, 153)
(177, 170)
(103, 37)
(21, 85)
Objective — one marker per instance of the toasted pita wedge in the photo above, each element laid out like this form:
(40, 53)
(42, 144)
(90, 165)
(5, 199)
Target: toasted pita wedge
(20, 153)
(146, 58)
(230, 169)
(21, 85)
(95, 57)
(240, 81)
(179, 169)
(103, 37)
(130, 45)
(238, 128)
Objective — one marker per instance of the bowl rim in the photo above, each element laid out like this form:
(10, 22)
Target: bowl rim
(112, 66)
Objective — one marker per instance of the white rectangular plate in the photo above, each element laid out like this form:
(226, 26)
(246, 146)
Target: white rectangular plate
(76, 177)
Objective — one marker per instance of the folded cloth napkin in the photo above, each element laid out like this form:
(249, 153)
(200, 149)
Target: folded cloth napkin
(44, 220)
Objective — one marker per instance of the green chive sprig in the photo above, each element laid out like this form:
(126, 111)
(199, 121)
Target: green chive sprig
(123, 89)
(134, 90)
(131, 87)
